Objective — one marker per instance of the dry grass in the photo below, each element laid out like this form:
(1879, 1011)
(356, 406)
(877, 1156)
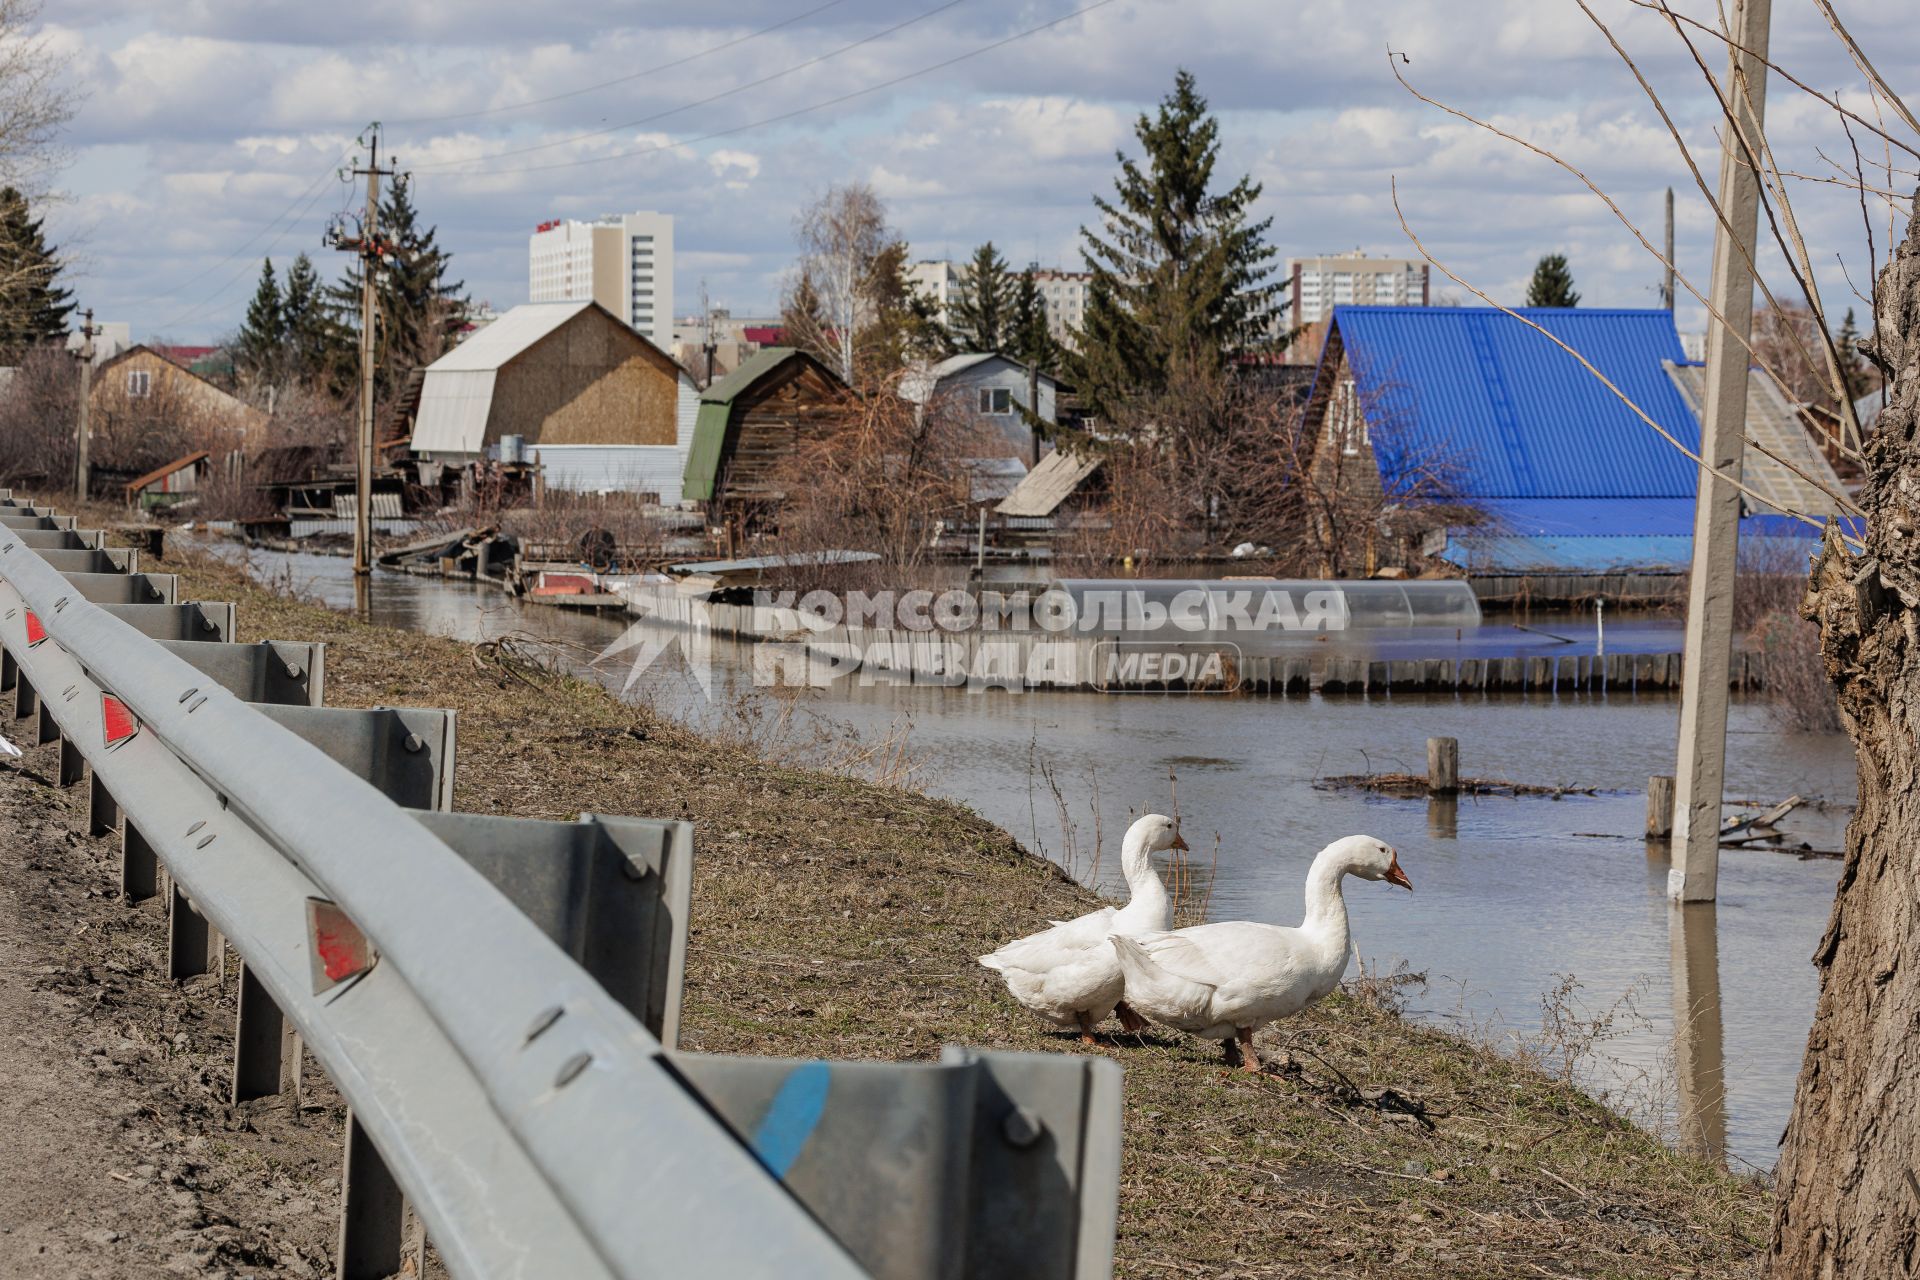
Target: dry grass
(840, 918)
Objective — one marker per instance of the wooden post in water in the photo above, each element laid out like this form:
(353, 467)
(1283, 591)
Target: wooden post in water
(1443, 766)
(1659, 807)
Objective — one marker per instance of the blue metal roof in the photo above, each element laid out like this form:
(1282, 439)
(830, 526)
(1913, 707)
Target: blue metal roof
(1513, 412)
(1589, 517)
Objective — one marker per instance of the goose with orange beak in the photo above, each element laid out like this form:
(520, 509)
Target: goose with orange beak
(1225, 981)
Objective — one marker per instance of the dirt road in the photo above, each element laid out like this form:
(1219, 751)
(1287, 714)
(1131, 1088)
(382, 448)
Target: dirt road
(122, 1159)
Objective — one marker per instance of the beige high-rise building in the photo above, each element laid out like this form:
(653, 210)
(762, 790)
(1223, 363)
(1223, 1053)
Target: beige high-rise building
(624, 262)
(1344, 279)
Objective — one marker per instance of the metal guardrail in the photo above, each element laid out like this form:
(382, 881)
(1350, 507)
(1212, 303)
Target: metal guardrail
(497, 998)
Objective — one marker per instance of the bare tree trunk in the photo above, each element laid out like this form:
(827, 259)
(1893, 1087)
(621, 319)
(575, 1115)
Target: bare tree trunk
(1849, 1198)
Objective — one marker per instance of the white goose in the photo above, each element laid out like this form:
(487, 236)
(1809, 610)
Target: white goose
(1225, 981)
(1068, 974)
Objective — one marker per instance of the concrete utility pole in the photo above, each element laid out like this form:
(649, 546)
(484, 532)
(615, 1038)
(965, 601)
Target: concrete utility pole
(1666, 289)
(84, 429)
(372, 251)
(1701, 771)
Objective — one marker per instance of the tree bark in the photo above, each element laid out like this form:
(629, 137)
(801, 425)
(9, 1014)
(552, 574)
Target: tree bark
(1849, 1174)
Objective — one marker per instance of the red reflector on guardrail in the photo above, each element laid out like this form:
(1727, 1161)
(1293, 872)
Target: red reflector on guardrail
(36, 630)
(338, 951)
(117, 720)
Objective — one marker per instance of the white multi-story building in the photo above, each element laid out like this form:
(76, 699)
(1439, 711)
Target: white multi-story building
(1321, 284)
(1064, 293)
(624, 262)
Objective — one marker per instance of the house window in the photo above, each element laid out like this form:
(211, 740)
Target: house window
(139, 382)
(996, 400)
(1345, 423)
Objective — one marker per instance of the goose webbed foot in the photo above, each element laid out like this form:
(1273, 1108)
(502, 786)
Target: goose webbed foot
(1129, 1020)
(1245, 1048)
(1086, 1028)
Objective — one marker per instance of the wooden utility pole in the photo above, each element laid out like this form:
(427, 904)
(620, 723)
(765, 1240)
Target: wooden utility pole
(372, 250)
(1701, 773)
(84, 429)
(1666, 289)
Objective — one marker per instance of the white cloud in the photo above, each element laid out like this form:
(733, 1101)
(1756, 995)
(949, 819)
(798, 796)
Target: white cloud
(211, 129)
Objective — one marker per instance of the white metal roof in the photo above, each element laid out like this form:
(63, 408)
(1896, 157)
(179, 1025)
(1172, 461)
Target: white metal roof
(507, 337)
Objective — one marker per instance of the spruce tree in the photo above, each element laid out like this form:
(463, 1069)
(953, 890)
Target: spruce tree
(33, 308)
(1853, 366)
(417, 309)
(1181, 273)
(305, 325)
(260, 349)
(981, 318)
(1032, 340)
(1552, 283)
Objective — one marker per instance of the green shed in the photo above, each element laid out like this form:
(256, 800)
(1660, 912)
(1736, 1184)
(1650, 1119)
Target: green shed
(752, 420)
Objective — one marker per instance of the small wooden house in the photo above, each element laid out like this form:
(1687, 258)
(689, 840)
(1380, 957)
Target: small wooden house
(140, 387)
(752, 420)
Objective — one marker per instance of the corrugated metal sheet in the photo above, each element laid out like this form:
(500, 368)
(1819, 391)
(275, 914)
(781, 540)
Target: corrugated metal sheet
(1773, 423)
(686, 414)
(612, 468)
(454, 404)
(1048, 485)
(1516, 414)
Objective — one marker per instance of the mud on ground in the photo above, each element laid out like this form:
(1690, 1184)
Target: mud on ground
(122, 1157)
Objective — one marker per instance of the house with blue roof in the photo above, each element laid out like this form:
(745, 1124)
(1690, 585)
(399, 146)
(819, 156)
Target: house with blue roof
(1566, 477)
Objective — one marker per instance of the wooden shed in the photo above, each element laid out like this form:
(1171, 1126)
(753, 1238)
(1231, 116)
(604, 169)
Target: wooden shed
(556, 373)
(753, 419)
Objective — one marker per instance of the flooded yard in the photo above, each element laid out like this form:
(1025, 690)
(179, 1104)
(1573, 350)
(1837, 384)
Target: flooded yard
(1515, 898)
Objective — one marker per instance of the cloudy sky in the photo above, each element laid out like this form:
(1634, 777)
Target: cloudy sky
(211, 130)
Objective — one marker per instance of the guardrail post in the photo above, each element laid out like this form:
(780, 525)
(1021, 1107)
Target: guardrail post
(139, 868)
(258, 1040)
(25, 702)
(372, 1211)
(192, 947)
(9, 671)
(103, 812)
(48, 730)
(73, 765)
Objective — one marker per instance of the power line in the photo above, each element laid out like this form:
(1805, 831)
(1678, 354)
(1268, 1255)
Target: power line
(608, 84)
(674, 111)
(798, 111)
(233, 279)
(244, 245)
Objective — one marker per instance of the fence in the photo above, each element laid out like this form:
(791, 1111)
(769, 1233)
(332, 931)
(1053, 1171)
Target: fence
(497, 999)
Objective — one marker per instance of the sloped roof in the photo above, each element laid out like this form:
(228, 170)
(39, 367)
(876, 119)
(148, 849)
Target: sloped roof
(1517, 415)
(716, 412)
(1775, 425)
(507, 337)
(919, 383)
(1051, 483)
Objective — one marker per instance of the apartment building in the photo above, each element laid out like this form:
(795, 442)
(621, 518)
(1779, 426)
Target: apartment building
(1347, 279)
(624, 262)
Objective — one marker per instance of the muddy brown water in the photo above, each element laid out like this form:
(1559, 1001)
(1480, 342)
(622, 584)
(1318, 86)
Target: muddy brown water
(1706, 1009)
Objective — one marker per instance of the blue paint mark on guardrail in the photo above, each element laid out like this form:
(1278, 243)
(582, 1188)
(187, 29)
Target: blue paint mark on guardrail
(792, 1117)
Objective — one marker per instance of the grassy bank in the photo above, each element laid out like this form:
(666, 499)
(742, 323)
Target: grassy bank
(838, 918)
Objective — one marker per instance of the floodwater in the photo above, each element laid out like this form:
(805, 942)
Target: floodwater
(1707, 1007)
